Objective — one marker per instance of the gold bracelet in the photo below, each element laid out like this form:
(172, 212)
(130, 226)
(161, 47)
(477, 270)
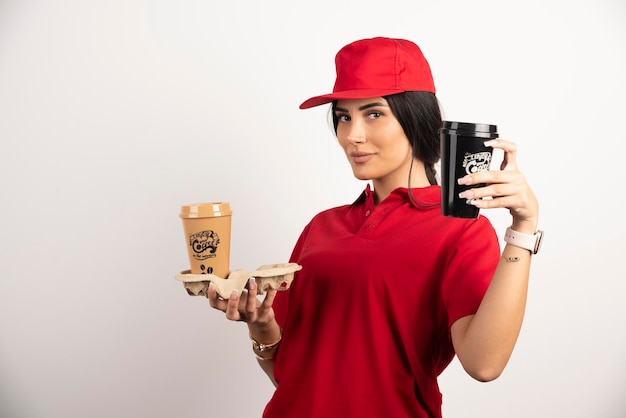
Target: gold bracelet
(258, 357)
(264, 347)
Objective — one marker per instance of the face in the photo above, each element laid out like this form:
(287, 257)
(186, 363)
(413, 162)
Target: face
(374, 141)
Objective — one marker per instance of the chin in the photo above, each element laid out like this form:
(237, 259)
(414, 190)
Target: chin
(362, 173)
(361, 176)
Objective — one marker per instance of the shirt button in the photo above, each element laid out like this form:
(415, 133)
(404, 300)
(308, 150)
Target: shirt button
(367, 213)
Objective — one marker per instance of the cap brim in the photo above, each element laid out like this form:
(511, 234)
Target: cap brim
(347, 95)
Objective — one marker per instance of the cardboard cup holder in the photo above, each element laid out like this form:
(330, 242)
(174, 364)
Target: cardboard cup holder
(269, 276)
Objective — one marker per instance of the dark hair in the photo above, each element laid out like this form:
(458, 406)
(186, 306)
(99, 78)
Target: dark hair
(419, 115)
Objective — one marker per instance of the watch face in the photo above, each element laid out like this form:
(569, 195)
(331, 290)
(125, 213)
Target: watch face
(538, 242)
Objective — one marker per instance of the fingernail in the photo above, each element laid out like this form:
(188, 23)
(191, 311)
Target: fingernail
(490, 142)
(251, 283)
(465, 180)
(467, 194)
(233, 295)
(211, 286)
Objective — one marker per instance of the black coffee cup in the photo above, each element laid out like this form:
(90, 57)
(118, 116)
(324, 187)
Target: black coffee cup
(463, 152)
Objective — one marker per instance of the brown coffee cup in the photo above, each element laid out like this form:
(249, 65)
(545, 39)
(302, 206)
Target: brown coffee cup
(207, 233)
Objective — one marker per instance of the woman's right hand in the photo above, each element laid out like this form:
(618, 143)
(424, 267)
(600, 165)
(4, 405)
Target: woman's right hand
(258, 315)
(246, 307)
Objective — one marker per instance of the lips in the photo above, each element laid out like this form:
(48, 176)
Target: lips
(361, 157)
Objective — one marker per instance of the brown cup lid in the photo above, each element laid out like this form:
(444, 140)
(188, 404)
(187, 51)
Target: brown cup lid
(205, 210)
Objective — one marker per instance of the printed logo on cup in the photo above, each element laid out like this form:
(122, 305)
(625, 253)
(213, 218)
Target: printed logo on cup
(204, 244)
(473, 163)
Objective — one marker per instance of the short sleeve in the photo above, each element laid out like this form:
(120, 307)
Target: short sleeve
(281, 300)
(470, 268)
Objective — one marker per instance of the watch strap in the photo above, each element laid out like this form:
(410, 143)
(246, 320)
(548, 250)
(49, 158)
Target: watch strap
(530, 242)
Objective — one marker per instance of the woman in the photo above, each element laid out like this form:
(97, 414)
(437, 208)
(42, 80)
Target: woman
(390, 289)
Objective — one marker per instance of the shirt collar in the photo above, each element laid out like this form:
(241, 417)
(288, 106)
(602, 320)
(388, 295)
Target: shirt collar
(421, 197)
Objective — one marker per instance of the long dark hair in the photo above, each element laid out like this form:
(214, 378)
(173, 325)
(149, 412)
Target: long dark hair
(419, 115)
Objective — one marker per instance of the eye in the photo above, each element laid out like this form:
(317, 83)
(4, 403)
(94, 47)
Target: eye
(374, 114)
(342, 117)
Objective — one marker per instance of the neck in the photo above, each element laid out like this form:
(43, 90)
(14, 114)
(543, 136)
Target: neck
(415, 177)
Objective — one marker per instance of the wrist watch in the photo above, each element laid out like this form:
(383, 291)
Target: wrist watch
(530, 242)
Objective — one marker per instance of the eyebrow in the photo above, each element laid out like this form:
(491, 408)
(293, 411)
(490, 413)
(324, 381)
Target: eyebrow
(365, 106)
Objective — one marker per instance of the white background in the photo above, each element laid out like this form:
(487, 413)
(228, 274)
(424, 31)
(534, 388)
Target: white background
(113, 113)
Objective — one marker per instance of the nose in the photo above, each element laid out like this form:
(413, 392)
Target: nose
(356, 133)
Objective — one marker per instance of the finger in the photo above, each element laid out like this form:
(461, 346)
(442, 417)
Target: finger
(509, 161)
(518, 205)
(490, 177)
(268, 301)
(211, 294)
(522, 203)
(214, 300)
(498, 202)
(493, 191)
(251, 301)
(503, 144)
(232, 308)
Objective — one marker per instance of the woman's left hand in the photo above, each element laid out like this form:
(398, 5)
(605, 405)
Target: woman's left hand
(507, 187)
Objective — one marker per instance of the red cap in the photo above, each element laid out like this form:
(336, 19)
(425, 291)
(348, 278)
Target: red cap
(377, 67)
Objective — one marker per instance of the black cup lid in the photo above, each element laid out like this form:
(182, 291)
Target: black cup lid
(466, 128)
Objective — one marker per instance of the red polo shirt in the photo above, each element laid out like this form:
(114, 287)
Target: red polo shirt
(366, 321)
